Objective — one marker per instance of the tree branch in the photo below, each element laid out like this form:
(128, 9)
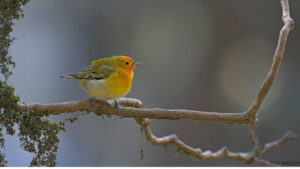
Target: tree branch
(248, 157)
(287, 27)
(265, 162)
(106, 108)
(252, 137)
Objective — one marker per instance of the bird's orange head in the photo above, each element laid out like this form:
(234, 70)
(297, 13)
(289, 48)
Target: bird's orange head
(126, 63)
(122, 63)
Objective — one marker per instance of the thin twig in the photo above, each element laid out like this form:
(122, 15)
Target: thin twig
(265, 162)
(246, 157)
(271, 145)
(253, 139)
(287, 27)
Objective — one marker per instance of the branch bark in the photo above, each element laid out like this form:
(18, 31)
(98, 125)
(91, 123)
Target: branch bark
(104, 107)
(278, 55)
(247, 157)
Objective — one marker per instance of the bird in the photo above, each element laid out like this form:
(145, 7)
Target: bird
(107, 78)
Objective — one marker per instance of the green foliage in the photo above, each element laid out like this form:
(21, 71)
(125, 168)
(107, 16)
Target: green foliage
(3, 162)
(10, 10)
(7, 105)
(8, 102)
(37, 134)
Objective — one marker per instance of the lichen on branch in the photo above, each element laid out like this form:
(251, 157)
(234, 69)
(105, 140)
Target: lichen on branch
(10, 10)
(36, 133)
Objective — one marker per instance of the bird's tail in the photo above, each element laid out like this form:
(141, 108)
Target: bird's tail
(67, 77)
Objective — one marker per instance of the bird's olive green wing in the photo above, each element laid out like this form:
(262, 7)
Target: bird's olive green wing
(90, 73)
(105, 70)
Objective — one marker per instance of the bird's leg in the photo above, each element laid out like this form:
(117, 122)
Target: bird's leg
(93, 102)
(94, 106)
(117, 107)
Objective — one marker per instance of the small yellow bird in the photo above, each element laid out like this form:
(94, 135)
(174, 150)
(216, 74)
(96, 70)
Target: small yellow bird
(107, 78)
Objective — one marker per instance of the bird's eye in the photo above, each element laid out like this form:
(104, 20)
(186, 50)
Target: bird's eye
(127, 63)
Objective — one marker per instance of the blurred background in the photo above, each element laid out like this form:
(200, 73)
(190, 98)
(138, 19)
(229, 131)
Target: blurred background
(201, 55)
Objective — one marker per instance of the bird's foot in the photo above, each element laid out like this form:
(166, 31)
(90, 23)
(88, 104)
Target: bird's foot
(94, 106)
(117, 107)
(93, 102)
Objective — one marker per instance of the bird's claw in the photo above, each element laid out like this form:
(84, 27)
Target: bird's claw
(117, 107)
(94, 105)
(93, 102)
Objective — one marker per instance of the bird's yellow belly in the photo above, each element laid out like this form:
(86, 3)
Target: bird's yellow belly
(105, 89)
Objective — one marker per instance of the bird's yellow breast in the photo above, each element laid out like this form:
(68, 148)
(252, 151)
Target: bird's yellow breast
(115, 86)
(119, 84)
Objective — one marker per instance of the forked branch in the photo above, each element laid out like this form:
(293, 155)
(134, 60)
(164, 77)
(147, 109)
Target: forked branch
(251, 156)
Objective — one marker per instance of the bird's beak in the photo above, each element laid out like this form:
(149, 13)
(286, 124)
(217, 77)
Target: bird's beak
(137, 63)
